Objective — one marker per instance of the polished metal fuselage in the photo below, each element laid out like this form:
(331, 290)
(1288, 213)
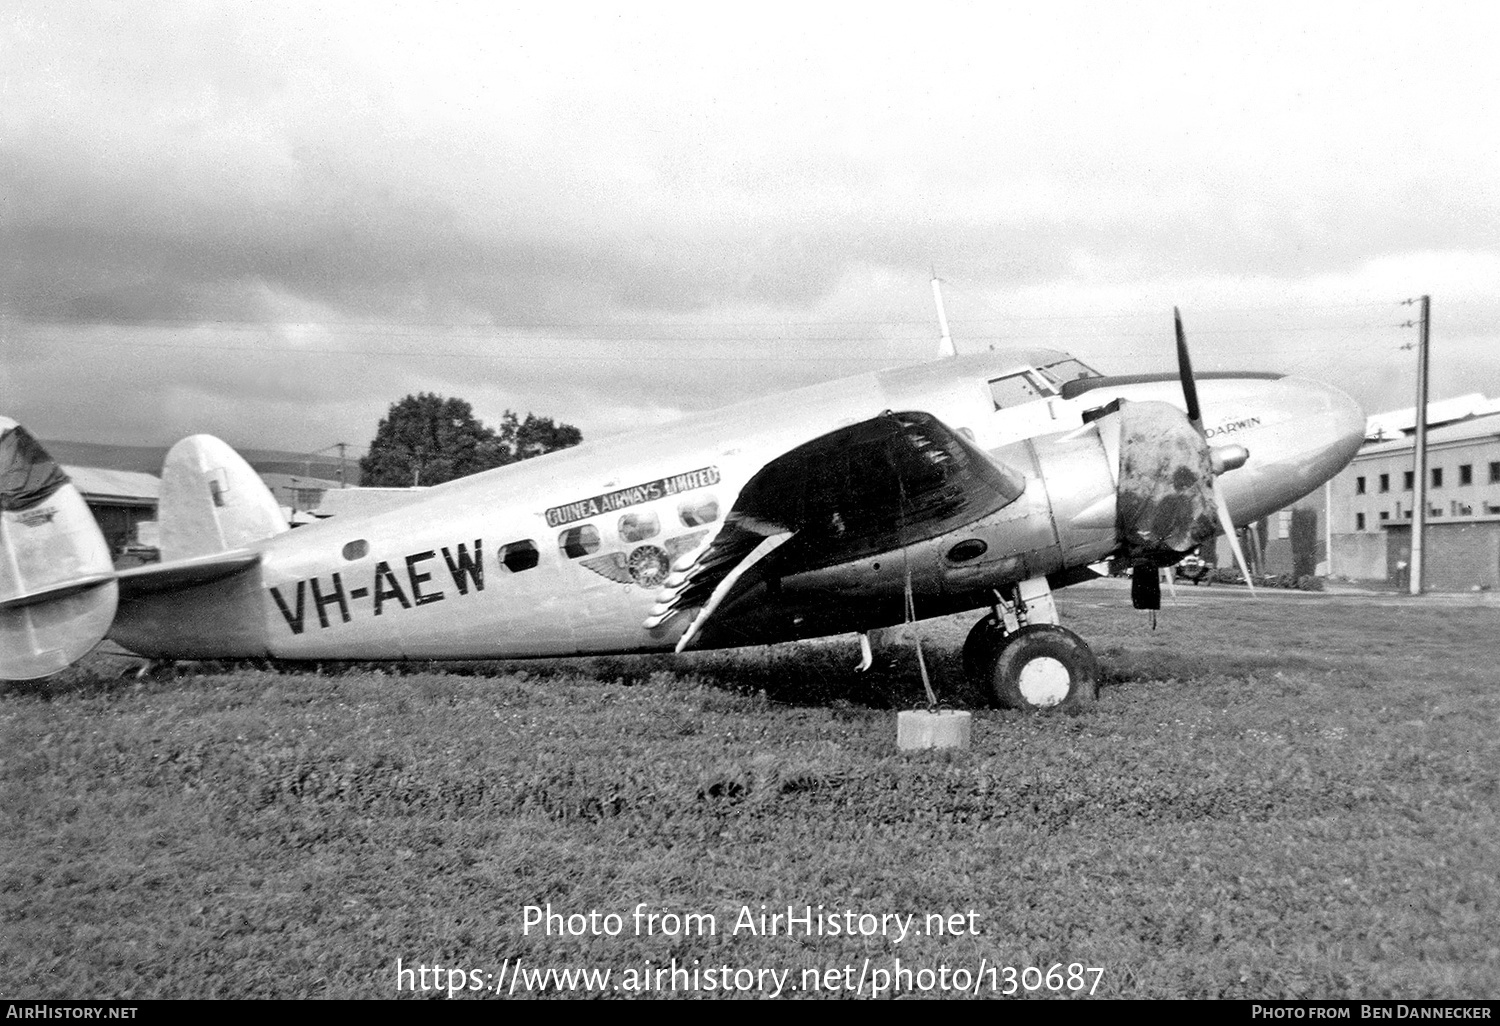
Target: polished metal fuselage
(449, 575)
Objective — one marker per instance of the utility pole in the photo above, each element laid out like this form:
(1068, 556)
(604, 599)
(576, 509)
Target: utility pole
(1419, 512)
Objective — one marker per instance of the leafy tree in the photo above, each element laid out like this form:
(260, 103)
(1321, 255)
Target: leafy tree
(426, 439)
(536, 435)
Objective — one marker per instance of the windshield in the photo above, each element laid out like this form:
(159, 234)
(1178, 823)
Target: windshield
(1069, 370)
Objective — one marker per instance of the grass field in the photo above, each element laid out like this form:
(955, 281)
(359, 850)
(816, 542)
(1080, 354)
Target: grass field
(1271, 799)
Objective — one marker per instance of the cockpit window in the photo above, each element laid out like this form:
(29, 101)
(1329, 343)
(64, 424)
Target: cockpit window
(1069, 370)
(1014, 389)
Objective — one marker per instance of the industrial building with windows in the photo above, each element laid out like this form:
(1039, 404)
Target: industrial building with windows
(1370, 504)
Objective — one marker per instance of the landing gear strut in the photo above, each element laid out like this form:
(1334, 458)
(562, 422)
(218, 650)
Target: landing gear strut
(1025, 660)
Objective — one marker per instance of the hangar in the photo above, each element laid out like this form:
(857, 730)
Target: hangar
(121, 501)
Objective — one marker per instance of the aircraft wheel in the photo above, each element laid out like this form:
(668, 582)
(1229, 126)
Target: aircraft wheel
(985, 637)
(1045, 667)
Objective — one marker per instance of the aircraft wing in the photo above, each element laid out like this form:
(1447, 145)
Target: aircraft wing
(873, 487)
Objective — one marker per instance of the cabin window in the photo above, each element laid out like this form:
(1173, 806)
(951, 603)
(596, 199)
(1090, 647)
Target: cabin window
(1409, 480)
(520, 555)
(1013, 390)
(1495, 473)
(1359, 521)
(1385, 482)
(356, 549)
(703, 509)
(1385, 514)
(1466, 474)
(1359, 486)
(636, 527)
(579, 541)
(1437, 477)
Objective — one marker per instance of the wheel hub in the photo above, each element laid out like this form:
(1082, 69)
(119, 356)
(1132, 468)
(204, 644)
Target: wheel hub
(1044, 681)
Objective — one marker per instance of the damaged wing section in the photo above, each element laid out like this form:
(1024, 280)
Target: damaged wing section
(873, 487)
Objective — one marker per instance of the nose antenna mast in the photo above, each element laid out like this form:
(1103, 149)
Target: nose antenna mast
(945, 345)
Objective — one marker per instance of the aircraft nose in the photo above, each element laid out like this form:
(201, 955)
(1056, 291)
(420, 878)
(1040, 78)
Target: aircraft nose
(1334, 424)
(1310, 432)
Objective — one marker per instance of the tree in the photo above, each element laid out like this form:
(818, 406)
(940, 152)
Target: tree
(1304, 532)
(536, 435)
(426, 439)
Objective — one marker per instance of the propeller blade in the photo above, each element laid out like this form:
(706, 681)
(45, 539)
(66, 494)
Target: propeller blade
(1185, 372)
(1227, 526)
(1229, 458)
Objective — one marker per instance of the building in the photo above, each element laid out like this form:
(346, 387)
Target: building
(121, 501)
(298, 492)
(1371, 505)
(1357, 527)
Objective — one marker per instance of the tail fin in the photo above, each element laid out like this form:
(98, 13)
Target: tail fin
(57, 582)
(212, 501)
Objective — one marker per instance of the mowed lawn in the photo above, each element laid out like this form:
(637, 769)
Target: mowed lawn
(1286, 798)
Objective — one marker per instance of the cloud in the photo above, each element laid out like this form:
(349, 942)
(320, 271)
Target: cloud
(279, 218)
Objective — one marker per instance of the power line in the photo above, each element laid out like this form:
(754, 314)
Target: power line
(380, 326)
(1007, 340)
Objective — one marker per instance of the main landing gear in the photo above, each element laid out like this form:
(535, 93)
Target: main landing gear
(1025, 660)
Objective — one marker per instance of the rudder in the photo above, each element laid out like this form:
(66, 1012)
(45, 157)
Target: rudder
(212, 501)
(57, 583)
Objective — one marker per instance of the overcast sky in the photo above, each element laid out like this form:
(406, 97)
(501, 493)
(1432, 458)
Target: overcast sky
(269, 221)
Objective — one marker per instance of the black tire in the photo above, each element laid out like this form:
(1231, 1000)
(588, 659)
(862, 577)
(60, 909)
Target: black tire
(1045, 668)
(984, 639)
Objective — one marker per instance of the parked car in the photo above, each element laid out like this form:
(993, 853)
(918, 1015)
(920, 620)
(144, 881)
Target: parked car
(1195, 569)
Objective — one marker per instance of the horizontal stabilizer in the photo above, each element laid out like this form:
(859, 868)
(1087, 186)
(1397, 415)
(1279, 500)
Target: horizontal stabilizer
(57, 588)
(184, 573)
(61, 589)
(212, 501)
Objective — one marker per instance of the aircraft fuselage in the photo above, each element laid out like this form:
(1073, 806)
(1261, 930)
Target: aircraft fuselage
(566, 553)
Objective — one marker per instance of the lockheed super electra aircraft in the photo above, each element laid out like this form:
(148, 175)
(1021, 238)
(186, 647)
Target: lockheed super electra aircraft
(972, 482)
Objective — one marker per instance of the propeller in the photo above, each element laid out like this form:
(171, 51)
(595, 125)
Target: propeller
(1167, 503)
(1226, 458)
(1185, 372)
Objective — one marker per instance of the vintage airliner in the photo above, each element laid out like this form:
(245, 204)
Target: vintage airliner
(978, 481)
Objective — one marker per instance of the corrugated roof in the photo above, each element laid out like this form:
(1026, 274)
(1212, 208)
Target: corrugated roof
(129, 485)
(1393, 424)
(1463, 431)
